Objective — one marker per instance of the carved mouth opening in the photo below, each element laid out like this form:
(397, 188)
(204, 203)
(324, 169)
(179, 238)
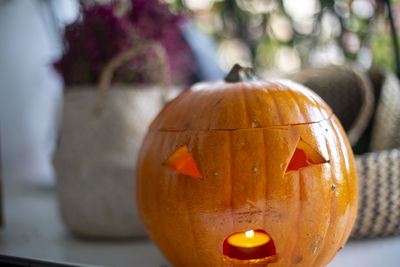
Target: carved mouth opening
(250, 245)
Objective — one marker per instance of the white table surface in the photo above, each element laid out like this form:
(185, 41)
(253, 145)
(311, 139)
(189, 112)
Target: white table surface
(33, 229)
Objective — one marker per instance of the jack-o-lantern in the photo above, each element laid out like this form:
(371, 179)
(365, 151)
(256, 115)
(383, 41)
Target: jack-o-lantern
(247, 173)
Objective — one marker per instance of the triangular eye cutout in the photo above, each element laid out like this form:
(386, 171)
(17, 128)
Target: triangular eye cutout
(304, 156)
(183, 162)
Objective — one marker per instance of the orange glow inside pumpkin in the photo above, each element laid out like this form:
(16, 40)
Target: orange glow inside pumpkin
(183, 162)
(304, 156)
(249, 245)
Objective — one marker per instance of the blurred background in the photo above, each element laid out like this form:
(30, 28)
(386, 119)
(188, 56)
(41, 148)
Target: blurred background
(58, 58)
(203, 39)
(286, 36)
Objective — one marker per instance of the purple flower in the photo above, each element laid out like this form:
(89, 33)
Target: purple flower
(99, 35)
(154, 21)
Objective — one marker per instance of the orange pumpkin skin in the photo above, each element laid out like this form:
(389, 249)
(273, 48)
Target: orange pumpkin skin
(242, 136)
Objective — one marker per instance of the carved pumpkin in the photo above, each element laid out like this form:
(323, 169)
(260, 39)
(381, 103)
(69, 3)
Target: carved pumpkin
(228, 157)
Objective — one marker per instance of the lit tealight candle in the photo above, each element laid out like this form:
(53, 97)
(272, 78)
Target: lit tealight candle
(249, 245)
(248, 239)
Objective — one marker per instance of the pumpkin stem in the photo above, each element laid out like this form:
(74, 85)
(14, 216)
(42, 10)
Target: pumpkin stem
(240, 74)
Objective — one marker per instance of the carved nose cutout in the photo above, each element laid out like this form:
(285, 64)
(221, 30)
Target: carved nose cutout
(183, 162)
(304, 156)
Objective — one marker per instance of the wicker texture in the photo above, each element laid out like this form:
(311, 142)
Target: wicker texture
(379, 194)
(102, 129)
(386, 130)
(379, 172)
(95, 160)
(347, 91)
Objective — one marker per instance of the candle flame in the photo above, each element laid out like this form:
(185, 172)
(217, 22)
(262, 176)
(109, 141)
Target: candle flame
(250, 234)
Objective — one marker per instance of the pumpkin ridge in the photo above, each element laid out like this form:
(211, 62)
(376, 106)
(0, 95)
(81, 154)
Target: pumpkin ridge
(188, 212)
(349, 222)
(159, 184)
(323, 260)
(309, 93)
(266, 164)
(246, 106)
(323, 243)
(298, 178)
(331, 210)
(217, 106)
(346, 186)
(276, 107)
(290, 92)
(230, 179)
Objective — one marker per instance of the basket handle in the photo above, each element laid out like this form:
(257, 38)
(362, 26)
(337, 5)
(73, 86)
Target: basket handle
(108, 71)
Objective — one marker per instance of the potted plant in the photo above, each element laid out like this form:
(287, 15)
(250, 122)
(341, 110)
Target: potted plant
(117, 68)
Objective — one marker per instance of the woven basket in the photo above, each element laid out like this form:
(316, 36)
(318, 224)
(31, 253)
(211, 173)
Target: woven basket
(379, 197)
(379, 172)
(386, 130)
(349, 93)
(95, 161)
(347, 90)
